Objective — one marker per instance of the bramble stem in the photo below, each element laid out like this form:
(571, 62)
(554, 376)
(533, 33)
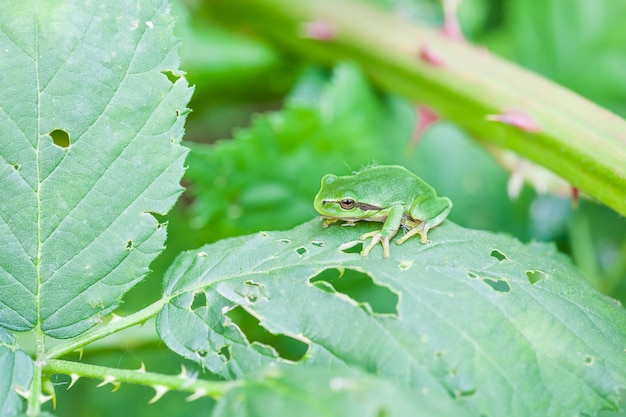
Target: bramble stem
(112, 327)
(183, 382)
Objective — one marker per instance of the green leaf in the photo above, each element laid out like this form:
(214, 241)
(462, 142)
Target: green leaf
(504, 328)
(93, 107)
(17, 371)
(318, 392)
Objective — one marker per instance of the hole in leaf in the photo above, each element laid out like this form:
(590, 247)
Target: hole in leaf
(225, 352)
(498, 255)
(318, 243)
(199, 300)
(16, 167)
(472, 275)
(536, 276)
(360, 287)
(461, 394)
(283, 241)
(287, 347)
(301, 250)
(499, 285)
(352, 247)
(60, 138)
(202, 353)
(171, 76)
(589, 360)
(129, 245)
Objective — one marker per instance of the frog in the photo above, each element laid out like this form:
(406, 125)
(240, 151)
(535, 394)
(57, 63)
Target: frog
(389, 194)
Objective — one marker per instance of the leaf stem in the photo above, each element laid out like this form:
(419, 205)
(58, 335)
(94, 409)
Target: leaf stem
(34, 398)
(162, 383)
(113, 326)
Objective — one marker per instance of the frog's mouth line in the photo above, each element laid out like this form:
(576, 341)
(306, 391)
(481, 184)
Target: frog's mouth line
(361, 206)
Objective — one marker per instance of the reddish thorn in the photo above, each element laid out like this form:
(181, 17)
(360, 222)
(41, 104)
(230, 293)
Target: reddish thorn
(431, 56)
(575, 196)
(320, 30)
(426, 117)
(451, 27)
(518, 118)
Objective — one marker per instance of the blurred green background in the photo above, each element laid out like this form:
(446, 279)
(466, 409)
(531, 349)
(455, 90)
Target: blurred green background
(266, 125)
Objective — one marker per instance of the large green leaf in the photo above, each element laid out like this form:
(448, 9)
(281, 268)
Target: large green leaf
(92, 112)
(16, 372)
(504, 328)
(316, 392)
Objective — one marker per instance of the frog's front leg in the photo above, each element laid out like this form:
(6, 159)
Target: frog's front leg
(430, 212)
(384, 235)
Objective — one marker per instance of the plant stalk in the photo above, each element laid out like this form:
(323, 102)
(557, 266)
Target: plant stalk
(113, 326)
(184, 382)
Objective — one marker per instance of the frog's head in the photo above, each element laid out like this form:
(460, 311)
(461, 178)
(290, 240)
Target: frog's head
(337, 199)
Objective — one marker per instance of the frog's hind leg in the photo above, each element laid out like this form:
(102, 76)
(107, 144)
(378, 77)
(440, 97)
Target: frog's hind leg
(418, 212)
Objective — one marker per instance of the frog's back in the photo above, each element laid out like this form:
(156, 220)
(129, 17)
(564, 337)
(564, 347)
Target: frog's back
(394, 180)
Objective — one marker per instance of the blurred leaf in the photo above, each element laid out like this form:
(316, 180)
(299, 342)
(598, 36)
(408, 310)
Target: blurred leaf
(17, 371)
(578, 43)
(320, 392)
(504, 328)
(89, 144)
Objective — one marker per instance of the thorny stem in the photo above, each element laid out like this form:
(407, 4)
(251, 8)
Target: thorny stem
(574, 138)
(162, 383)
(107, 329)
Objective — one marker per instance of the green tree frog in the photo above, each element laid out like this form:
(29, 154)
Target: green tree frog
(389, 194)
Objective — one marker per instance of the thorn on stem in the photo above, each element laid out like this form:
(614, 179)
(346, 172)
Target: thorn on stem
(426, 117)
(160, 391)
(451, 27)
(575, 197)
(517, 118)
(431, 56)
(197, 394)
(320, 30)
(109, 379)
(73, 379)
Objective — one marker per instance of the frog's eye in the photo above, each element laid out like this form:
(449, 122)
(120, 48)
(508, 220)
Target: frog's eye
(347, 204)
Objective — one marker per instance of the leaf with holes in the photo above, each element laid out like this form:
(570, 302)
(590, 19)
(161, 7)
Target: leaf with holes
(17, 371)
(502, 327)
(92, 112)
(320, 392)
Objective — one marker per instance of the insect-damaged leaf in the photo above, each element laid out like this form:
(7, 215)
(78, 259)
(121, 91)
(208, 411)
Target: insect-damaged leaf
(467, 316)
(89, 147)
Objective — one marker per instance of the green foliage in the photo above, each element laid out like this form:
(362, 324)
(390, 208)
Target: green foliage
(17, 370)
(474, 316)
(296, 322)
(86, 118)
